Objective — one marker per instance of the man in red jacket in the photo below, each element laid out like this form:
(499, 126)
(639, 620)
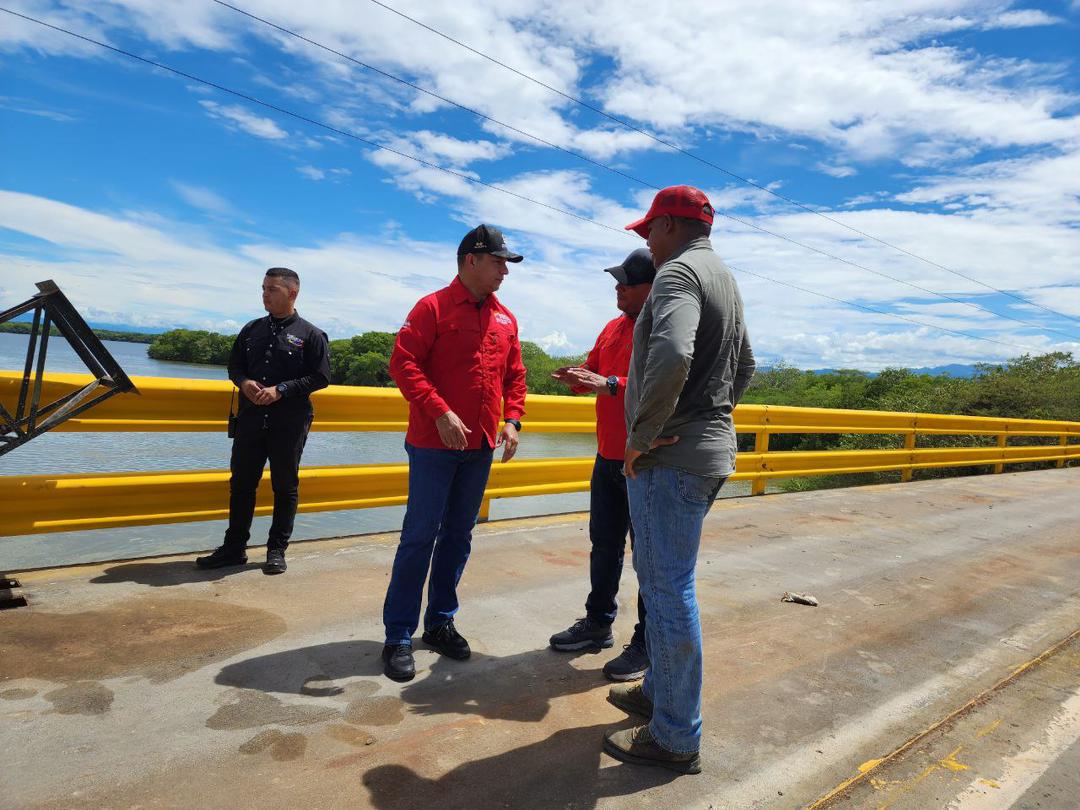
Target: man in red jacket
(457, 361)
(604, 372)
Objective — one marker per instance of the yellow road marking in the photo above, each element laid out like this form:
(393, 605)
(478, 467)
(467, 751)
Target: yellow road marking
(874, 764)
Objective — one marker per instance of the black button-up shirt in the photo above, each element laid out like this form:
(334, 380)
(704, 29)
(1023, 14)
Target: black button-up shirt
(290, 352)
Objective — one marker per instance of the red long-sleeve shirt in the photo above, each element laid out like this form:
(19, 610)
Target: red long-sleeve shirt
(455, 353)
(611, 358)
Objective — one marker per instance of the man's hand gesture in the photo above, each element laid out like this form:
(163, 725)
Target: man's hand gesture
(633, 455)
(452, 431)
(508, 440)
(577, 377)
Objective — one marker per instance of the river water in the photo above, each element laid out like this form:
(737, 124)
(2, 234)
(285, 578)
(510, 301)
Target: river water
(121, 452)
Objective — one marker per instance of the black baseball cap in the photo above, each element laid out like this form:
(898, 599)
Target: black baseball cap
(486, 239)
(637, 268)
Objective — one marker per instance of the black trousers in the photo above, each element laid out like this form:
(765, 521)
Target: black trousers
(609, 522)
(279, 437)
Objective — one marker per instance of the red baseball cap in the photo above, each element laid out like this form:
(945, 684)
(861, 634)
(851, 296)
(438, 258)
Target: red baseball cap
(679, 201)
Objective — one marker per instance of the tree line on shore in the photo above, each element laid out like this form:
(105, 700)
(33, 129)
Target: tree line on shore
(23, 328)
(1027, 387)
(360, 360)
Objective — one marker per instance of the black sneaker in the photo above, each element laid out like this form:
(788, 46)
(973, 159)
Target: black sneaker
(448, 641)
(584, 634)
(630, 665)
(398, 663)
(221, 557)
(275, 562)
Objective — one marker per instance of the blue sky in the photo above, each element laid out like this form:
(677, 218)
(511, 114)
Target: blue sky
(951, 129)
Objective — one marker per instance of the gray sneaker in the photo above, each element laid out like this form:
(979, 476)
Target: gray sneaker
(630, 665)
(584, 634)
(630, 697)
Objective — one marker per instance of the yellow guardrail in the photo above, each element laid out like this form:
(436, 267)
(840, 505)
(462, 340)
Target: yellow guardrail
(31, 504)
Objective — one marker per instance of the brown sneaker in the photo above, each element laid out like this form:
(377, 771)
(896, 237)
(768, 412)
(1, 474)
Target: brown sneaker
(630, 697)
(637, 746)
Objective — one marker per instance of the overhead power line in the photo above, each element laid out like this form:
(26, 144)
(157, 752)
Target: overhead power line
(693, 156)
(627, 176)
(468, 178)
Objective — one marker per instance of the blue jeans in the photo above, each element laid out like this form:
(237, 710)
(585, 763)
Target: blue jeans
(446, 488)
(668, 507)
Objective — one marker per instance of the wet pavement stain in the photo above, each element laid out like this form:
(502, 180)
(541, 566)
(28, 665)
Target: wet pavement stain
(84, 697)
(350, 735)
(355, 691)
(17, 694)
(254, 709)
(555, 559)
(158, 638)
(376, 711)
(282, 746)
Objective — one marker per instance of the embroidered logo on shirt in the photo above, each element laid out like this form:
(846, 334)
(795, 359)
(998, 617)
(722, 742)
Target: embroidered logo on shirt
(503, 319)
(293, 340)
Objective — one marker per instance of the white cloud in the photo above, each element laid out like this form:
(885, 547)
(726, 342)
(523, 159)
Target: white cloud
(555, 343)
(867, 78)
(243, 119)
(560, 294)
(1022, 18)
(446, 150)
(204, 199)
(836, 171)
(315, 173)
(860, 82)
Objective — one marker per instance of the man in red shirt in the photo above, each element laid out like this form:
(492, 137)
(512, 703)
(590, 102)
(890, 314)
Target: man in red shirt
(604, 372)
(457, 361)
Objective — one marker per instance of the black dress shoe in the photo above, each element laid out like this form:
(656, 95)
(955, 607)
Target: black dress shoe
(398, 664)
(448, 641)
(222, 557)
(275, 562)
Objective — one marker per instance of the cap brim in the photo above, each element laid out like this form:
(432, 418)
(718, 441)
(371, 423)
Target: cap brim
(641, 227)
(619, 273)
(506, 254)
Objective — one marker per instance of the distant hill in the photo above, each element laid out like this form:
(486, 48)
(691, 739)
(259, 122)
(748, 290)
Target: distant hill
(951, 370)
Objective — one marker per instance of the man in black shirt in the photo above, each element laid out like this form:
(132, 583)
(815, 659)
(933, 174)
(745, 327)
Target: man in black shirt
(277, 362)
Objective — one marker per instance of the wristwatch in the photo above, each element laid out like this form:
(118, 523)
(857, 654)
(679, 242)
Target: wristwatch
(516, 423)
(613, 385)
(281, 389)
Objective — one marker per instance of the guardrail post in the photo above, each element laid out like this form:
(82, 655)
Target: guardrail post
(485, 511)
(909, 444)
(761, 445)
(1002, 441)
(1063, 440)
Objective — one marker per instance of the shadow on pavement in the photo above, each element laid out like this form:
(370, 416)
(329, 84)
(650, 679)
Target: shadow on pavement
(562, 771)
(165, 574)
(516, 687)
(289, 671)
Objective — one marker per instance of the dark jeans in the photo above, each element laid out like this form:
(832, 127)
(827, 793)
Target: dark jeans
(260, 437)
(446, 488)
(609, 522)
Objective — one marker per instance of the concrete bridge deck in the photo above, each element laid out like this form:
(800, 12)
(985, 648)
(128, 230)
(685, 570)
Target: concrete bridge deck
(151, 684)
